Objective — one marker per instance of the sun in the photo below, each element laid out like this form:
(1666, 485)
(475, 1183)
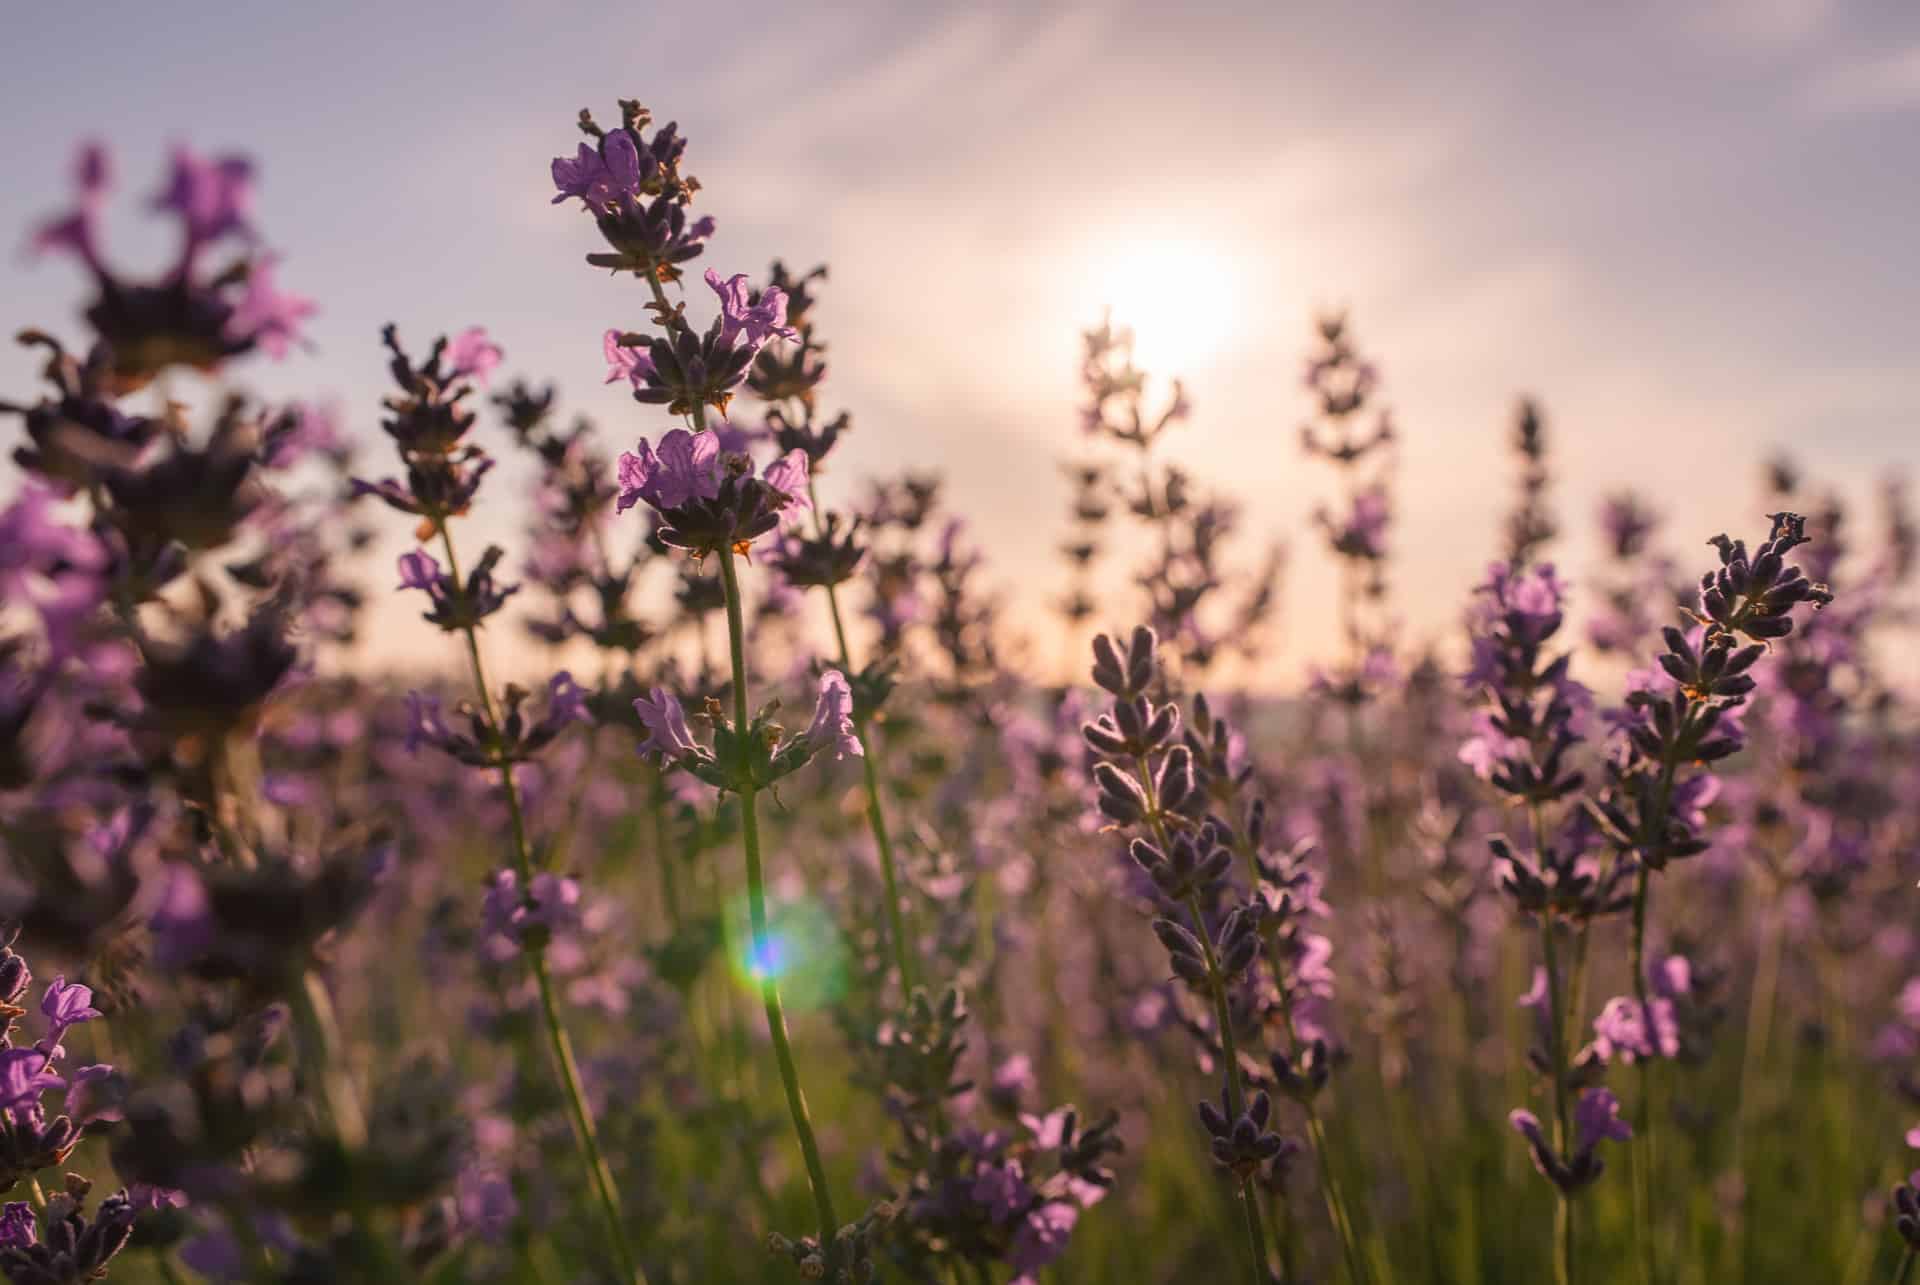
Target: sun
(1182, 303)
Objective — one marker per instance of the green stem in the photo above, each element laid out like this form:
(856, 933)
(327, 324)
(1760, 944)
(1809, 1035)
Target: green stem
(580, 1115)
(757, 916)
(1256, 1231)
(1557, 1058)
(320, 1031)
(663, 849)
(1643, 1144)
(1334, 1196)
(1905, 1269)
(1759, 1029)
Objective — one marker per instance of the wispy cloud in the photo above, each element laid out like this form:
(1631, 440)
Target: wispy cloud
(1866, 84)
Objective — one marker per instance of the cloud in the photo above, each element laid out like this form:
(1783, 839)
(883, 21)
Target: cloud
(1871, 84)
(1766, 26)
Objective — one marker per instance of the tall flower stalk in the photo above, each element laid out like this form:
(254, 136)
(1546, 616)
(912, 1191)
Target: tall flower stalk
(703, 486)
(1145, 781)
(1526, 740)
(428, 424)
(1678, 720)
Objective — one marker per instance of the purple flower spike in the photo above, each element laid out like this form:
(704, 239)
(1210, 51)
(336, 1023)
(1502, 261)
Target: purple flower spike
(52, 567)
(425, 723)
(65, 1004)
(574, 175)
(419, 570)
(788, 475)
(77, 230)
(759, 321)
(471, 355)
(566, 705)
(624, 361)
(1041, 1240)
(212, 197)
(688, 466)
(1527, 1125)
(1622, 1030)
(1596, 1118)
(18, 1229)
(267, 315)
(24, 1076)
(601, 177)
(832, 726)
(80, 1095)
(666, 724)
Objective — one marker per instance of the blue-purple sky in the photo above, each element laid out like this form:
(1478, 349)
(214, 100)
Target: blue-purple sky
(1688, 229)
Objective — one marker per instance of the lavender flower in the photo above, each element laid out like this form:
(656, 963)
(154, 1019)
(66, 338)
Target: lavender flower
(1596, 1120)
(709, 500)
(190, 316)
(428, 424)
(832, 725)
(632, 186)
(456, 605)
(686, 372)
(666, 726)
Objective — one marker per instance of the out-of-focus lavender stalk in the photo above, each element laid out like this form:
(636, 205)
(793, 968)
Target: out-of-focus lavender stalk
(1332, 1193)
(876, 811)
(1557, 1023)
(579, 1113)
(1139, 794)
(1222, 1013)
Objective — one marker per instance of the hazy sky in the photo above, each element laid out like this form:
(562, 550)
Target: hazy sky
(1688, 229)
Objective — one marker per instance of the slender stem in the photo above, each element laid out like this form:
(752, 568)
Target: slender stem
(876, 813)
(1283, 1234)
(1753, 1052)
(1557, 1057)
(579, 1113)
(1335, 1197)
(662, 848)
(1643, 1143)
(322, 1045)
(757, 916)
(1905, 1269)
(1256, 1230)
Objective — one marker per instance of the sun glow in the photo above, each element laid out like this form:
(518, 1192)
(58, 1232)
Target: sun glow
(1181, 302)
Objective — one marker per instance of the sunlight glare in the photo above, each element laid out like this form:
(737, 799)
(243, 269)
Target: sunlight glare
(1181, 303)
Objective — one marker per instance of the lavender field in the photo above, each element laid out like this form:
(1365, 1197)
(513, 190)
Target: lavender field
(446, 836)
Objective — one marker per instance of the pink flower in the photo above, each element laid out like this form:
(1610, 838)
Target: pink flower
(623, 361)
(666, 724)
(788, 475)
(473, 355)
(266, 315)
(687, 467)
(832, 726)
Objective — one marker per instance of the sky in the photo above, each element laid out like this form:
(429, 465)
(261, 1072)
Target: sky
(1688, 229)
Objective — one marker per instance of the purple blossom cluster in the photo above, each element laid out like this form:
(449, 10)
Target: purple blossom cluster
(728, 879)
